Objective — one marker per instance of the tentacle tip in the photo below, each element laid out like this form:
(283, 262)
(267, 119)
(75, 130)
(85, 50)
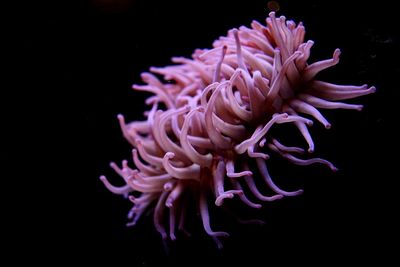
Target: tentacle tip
(334, 169)
(328, 126)
(337, 53)
(220, 200)
(294, 193)
(120, 117)
(169, 155)
(372, 89)
(175, 59)
(102, 178)
(359, 107)
(112, 164)
(172, 237)
(223, 234)
(262, 142)
(310, 150)
(167, 187)
(272, 14)
(130, 224)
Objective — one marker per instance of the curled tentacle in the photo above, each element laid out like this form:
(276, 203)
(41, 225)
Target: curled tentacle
(190, 172)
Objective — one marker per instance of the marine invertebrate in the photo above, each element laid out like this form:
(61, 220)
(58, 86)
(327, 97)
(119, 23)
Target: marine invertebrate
(211, 117)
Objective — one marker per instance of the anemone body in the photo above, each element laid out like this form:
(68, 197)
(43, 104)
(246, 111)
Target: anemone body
(210, 118)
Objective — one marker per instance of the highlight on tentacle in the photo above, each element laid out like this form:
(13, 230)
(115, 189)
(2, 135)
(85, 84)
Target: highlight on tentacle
(213, 115)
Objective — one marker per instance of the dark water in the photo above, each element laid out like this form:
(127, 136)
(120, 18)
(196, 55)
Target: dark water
(76, 64)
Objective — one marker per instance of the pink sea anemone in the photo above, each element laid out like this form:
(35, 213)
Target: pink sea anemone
(210, 120)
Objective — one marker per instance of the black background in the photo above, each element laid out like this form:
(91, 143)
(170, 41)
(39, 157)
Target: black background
(75, 63)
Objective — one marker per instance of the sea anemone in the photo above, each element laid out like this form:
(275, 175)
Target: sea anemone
(210, 118)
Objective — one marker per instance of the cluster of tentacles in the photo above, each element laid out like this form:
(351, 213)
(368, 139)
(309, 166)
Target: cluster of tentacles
(211, 116)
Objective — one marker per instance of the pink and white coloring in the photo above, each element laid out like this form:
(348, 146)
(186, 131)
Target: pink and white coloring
(209, 121)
